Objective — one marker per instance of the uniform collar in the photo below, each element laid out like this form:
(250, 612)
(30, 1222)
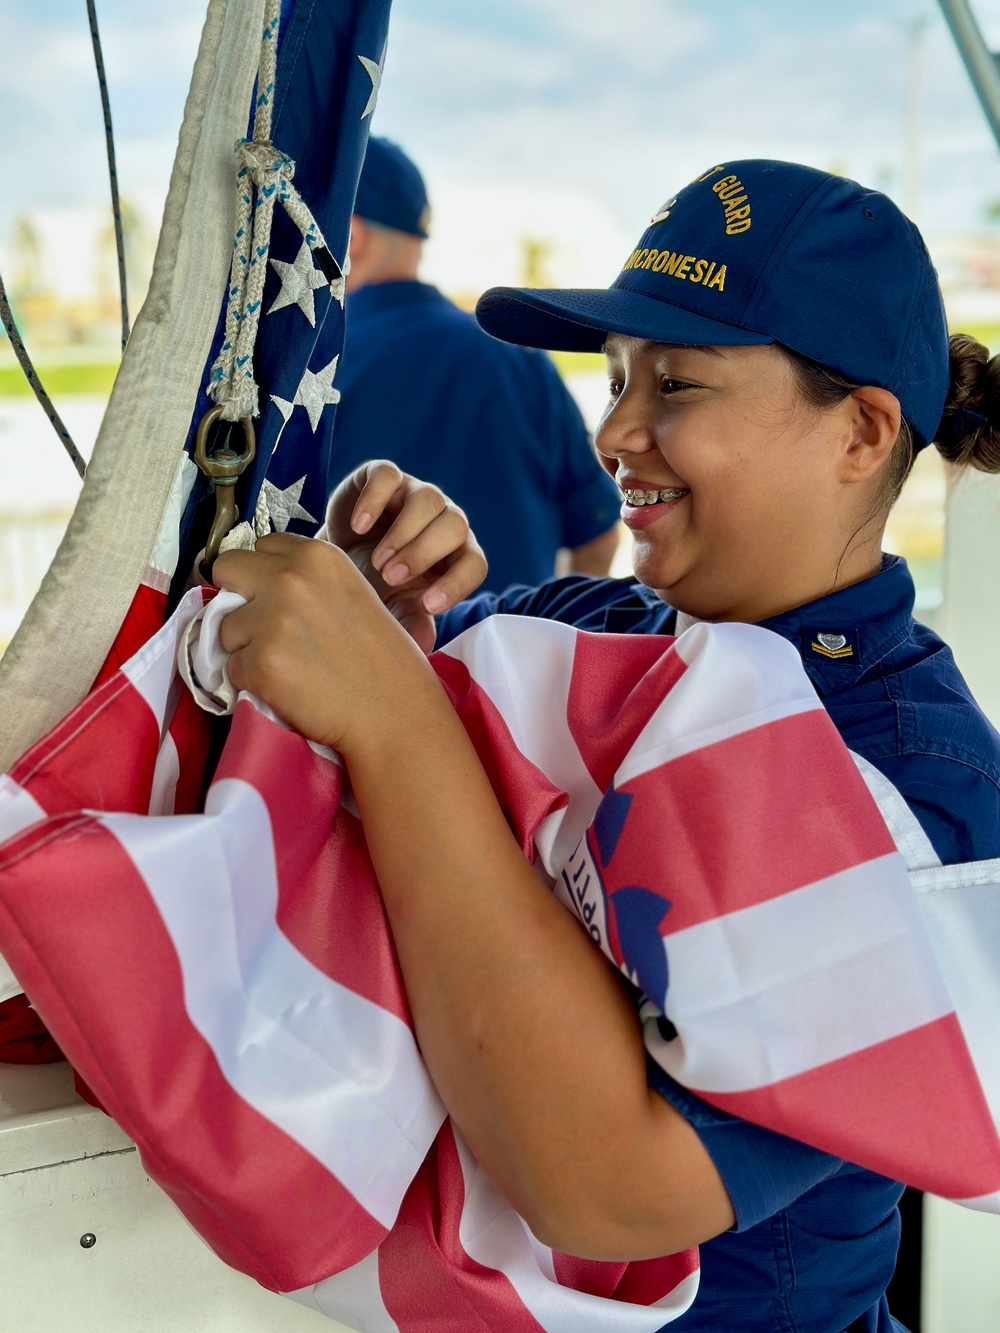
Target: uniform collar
(840, 637)
(843, 636)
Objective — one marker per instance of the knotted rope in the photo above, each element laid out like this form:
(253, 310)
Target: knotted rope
(267, 172)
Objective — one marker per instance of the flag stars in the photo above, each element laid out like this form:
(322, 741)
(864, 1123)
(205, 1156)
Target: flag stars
(375, 74)
(316, 390)
(298, 282)
(283, 505)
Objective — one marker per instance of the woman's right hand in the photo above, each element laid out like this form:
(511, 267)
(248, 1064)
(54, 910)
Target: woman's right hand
(409, 540)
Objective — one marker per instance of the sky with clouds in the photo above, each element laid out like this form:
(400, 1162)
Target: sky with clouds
(576, 109)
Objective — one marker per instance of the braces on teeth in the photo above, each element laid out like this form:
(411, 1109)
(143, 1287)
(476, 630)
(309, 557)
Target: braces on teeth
(651, 497)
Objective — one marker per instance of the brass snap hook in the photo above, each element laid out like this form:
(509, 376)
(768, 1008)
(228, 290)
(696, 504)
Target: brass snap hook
(224, 465)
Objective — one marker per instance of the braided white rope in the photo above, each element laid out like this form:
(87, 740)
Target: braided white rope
(261, 516)
(266, 170)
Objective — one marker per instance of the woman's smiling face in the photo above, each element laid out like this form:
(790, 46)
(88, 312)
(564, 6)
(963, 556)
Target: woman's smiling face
(739, 496)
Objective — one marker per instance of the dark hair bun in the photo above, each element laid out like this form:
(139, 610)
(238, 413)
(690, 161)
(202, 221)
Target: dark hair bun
(969, 433)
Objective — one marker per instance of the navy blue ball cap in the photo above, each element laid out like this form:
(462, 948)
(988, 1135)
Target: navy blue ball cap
(756, 252)
(391, 191)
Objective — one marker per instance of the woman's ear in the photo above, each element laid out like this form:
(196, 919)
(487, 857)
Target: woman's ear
(874, 420)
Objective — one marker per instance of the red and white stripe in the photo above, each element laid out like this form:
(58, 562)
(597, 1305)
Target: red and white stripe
(228, 988)
(223, 976)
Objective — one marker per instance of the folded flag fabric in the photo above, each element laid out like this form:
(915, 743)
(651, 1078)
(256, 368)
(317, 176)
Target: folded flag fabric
(219, 968)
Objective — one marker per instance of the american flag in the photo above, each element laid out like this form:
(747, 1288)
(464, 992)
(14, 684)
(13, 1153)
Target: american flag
(221, 971)
(330, 60)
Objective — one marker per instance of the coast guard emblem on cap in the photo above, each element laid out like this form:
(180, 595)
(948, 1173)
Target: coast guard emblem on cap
(663, 211)
(836, 647)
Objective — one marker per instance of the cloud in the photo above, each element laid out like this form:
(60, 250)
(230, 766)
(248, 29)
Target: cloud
(616, 103)
(53, 145)
(633, 99)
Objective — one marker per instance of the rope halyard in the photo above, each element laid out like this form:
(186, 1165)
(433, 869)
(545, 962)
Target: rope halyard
(21, 352)
(109, 140)
(266, 171)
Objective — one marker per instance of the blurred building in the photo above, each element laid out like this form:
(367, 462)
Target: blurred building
(968, 266)
(60, 268)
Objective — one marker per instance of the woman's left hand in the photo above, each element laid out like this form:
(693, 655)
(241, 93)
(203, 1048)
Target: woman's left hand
(316, 643)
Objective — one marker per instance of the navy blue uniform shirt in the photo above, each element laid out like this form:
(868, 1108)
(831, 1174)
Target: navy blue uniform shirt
(490, 423)
(815, 1238)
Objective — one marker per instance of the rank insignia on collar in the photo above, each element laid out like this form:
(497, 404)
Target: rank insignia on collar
(833, 645)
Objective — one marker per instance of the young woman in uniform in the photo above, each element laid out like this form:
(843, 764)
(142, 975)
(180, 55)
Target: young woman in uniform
(777, 354)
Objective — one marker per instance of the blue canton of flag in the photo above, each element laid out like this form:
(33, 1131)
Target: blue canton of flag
(330, 60)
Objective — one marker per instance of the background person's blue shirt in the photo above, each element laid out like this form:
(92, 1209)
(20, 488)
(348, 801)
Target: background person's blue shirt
(492, 424)
(815, 1238)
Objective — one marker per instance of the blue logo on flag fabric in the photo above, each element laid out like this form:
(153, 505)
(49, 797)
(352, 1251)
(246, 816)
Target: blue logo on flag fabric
(633, 913)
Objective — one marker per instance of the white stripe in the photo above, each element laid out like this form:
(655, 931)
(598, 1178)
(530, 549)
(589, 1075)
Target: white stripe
(342, 1076)
(18, 809)
(913, 843)
(738, 677)
(960, 905)
(961, 908)
(353, 1297)
(202, 661)
(9, 984)
(166, 775)
(152, 672)
(983, 1203)
(494, 1235)
(787, 985)
(167, 549)
(504, 653)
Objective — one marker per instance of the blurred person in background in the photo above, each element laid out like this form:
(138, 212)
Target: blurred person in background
(491, 424)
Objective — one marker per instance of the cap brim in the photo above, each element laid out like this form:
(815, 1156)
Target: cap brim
(579, 320)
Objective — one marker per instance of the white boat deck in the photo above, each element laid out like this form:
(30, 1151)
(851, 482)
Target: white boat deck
(68, 1172)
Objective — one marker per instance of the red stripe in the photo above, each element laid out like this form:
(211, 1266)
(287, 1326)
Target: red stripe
(191, 730)
(329, 906)
(525, 794)
(643, 1282)
(593, 1276)
(428, 1282)
(23, 1038)
(101, 754)
(746, 820)
(618, 681)
(649, 1280)
(910, 1108)
(142, 620)
(640, 1283)
(84, 935)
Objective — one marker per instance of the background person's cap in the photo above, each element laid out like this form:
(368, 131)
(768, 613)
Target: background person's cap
(760, 252)
(391, 190)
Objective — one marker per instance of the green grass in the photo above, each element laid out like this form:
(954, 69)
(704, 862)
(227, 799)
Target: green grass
(60, 380)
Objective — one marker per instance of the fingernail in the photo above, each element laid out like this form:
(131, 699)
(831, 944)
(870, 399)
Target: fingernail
(396, 573)
(435, 601)
(362, 522)
(381, 558)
